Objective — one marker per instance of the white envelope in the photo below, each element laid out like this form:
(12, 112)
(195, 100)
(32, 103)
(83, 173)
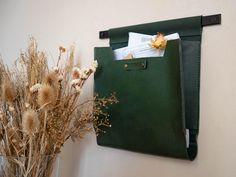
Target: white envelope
(138, 51)
(138, 46)
(137, 38)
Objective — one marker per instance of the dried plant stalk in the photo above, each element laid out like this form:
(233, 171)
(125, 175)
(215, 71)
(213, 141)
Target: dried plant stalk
(40, 110)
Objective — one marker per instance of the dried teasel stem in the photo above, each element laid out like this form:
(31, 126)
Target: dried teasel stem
(61, 50)
(44, 130)
(30, 156)
(30, 125)
(8, 151)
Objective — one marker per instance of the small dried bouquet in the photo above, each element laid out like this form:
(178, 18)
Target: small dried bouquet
(40, 111)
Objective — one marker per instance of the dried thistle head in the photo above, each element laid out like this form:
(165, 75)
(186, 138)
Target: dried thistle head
(30, 122)
(46, 96)
(8, 92)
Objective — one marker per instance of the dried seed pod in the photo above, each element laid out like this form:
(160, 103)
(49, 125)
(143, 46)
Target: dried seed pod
(46, 96)
(30, 122)
(8, 92)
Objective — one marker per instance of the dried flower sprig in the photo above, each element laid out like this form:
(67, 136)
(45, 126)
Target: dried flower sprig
(159, 42)
(40, 109)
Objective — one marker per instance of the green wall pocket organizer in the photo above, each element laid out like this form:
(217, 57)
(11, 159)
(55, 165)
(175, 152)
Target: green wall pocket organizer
(158, 96)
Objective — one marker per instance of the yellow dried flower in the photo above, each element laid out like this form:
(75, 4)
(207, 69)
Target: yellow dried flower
(46, 96)
(159, 42)
(30, 122)
(8, 92)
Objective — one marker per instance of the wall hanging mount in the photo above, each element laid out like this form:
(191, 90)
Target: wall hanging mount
(205, 21)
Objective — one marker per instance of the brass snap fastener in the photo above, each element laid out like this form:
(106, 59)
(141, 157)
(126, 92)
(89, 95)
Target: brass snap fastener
(126, 65)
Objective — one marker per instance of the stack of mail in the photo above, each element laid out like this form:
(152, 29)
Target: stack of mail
(139, 47)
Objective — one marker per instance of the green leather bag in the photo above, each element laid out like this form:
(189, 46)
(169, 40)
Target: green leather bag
(158, 96)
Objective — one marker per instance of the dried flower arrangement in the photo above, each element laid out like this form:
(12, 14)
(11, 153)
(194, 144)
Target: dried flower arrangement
(40, 111)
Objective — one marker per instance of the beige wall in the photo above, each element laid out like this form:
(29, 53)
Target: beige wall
(62, 22)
